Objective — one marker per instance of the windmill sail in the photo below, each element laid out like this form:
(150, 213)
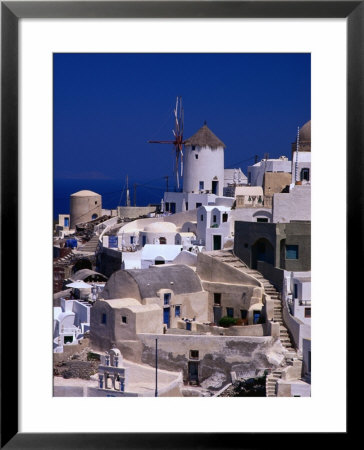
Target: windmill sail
(178, 139)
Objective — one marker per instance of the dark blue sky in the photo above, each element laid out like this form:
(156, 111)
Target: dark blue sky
(106, 107)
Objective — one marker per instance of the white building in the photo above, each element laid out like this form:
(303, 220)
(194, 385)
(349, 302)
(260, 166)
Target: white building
(296, 297)
(158, 254)
(70, 321)
(213, 226)
(257, 171)
(203, 173)
(292, 205)
(249, 196)
(234, 177)
(63, 227)
(301, 156)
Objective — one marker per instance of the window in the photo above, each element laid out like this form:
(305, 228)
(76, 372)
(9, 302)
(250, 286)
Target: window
(193, 147)
(167, 299)
(196, 156)
(162, 240)
(94, 216)
(103, 319)
(305, 174)
(201, 185)
(262, 219)
(201, 217)
(214, 218)
(68, 339)
(194, 354)
(124, 319)
(243, 313)
(159, 262)
(230, 312)
(307, 312)
(178, 311)
(217, 298)
(132, 239)
(224, 217)
(291, 251)
(144, 240)
(198, 205)
(95, 202)
(167, 206)
(66, 221)
(186, 206)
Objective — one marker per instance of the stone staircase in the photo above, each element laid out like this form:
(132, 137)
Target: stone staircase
(228, 257)
(271, 382)
(270, 290)
(272, 378)
(90, 246)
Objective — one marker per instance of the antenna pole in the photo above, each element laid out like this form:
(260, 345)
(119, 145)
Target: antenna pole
(134, 193)
(127, 192)
(166, 177)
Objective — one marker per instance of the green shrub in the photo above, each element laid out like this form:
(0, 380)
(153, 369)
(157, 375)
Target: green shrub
(93, 356)
(227, 321)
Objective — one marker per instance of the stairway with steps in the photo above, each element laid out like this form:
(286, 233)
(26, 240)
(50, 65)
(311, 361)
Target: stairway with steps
(271, 382)
(90, 246)
(270, 290)
(228, 257)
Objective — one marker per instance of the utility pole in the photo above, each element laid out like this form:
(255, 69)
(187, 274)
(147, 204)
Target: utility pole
(166, 177)
(127, 192)
(156, 368)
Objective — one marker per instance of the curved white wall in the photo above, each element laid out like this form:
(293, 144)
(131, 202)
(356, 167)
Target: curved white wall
(210, 164)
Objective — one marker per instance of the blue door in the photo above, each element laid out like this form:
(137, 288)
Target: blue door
(193, 372)
(256, 317)
(166, 312)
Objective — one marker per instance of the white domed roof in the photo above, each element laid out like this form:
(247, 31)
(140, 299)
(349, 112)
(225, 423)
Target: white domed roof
(85, 194)
(157, 227)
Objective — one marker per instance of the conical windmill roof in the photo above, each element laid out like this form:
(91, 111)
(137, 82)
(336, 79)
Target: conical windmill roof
(205, 138)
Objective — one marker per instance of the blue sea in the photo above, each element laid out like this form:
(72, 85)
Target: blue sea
(113, 193)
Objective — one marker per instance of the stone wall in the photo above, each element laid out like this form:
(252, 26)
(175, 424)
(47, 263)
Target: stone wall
(218, 355)
(210, 269)
(133, 212)
(273, 274)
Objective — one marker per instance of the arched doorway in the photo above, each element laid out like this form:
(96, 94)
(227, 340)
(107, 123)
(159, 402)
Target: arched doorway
(215, 186)
(159, 260)
(262, 250)
(82, 264)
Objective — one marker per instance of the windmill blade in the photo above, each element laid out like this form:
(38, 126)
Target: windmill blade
(175, 115)
(182, 120)
(176, 169)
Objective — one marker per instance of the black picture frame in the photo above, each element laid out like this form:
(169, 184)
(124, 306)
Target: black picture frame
(11, 12)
